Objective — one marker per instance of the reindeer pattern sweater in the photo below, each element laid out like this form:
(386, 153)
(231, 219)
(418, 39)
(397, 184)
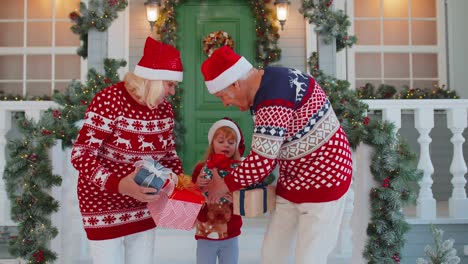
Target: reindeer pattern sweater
(295, 126)
(117, 132)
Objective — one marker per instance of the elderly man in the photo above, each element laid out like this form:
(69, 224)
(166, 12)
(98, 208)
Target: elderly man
(295, 127)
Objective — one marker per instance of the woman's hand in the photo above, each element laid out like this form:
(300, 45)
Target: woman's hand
(129, 187)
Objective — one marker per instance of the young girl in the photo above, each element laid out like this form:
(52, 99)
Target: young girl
(217, 227)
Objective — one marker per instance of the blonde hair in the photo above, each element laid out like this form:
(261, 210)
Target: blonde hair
(227, 132)
(145, 91)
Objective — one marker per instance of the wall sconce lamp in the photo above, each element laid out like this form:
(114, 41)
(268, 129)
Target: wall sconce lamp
(152, 11)
(282, 11)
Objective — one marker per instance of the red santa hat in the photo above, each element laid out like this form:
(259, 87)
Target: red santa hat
(223, 68)
(227, 122)
(160, 61)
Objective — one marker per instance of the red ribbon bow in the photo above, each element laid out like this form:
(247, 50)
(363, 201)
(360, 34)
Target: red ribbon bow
(220, 161)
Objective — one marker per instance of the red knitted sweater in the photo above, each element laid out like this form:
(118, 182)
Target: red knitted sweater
(117, 132)
(296, 127)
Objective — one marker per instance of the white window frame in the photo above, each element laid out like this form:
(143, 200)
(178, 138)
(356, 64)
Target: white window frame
(52, 50)
(439, 49)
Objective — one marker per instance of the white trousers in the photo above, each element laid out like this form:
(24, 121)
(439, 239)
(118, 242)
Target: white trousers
(134, 248)
(315, 226)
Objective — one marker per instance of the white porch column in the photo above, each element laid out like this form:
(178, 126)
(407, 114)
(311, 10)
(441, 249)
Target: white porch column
(57, 158)
(5, 125)
(458, 203)
(424, 122)
(363, 183)
(97, 49)
(392, 115)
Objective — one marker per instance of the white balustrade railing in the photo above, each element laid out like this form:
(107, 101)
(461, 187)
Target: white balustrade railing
(424, 110)
(357, 214)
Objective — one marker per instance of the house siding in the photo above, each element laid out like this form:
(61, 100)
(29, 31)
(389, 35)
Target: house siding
(457, 39)
(420, 235)
(292, 39)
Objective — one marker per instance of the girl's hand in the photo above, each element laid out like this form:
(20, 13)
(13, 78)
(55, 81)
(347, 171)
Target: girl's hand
(128, 186)
(217, 188)
(202, 181)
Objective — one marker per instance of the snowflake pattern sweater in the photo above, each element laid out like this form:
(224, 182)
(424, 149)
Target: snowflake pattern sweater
(296, 127)
(117, 132)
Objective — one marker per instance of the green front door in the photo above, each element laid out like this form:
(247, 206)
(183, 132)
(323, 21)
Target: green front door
(199, 108)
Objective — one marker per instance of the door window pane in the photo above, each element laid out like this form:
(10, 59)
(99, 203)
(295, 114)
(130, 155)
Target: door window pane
(11, 9)
(366, 8)
(368, 65)
(423, 8)
(39, 34)
(64, 36)
(11, 34)
(396, 65)
(38, 67)
(64, 7)
(38, 88)
(425, 65)
(398, 84)
(395, 8)
(11, 67)
(39, 9)
(368, 32)
(67, 67)
(11, 89)
(61, 86)
(396, 32)
(424, 33)
(425, 84)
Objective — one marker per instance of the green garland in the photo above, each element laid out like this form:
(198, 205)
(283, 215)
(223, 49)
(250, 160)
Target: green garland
(390, 92)
(28, 172)
(99, 15)
(393, 165)
(330, 24)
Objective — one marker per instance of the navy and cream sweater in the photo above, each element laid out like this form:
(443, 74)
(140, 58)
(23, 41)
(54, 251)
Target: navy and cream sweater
(296, 127)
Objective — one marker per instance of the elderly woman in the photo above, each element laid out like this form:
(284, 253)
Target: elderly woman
(126, 122)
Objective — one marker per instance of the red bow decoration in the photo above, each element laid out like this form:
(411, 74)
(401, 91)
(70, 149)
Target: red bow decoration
(38, 256)
(220, 161)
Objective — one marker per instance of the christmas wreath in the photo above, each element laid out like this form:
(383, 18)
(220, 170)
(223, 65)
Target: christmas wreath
(216, 40)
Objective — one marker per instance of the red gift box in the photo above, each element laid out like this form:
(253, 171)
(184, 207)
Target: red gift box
(179, 210)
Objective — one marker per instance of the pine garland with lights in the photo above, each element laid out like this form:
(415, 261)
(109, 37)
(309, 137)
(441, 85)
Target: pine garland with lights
(11, 97)
(393, 166)
(28, 173)
(390, 92)
(98, 15)
(330, 24)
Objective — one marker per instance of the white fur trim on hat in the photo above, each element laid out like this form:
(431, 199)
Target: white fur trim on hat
(229, 76)
(223, 123)
(152, 74)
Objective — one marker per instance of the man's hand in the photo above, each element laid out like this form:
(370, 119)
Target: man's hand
(129, 187)
(217, 189)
